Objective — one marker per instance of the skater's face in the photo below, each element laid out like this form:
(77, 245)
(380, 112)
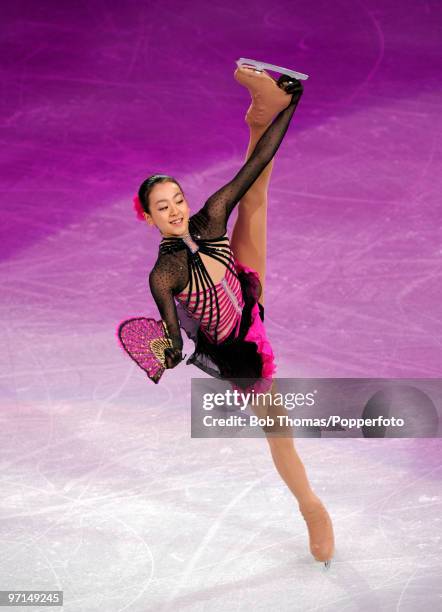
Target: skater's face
(169, 210)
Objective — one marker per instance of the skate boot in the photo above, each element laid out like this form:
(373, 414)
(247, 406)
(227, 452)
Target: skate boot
(269, 97)
(320, 530)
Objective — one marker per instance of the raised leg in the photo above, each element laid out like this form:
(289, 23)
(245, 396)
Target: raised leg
(249, 236)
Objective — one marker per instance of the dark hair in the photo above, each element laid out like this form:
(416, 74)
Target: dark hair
(147, 186)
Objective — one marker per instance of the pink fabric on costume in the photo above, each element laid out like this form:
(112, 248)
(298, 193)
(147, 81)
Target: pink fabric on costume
(257, 334)
(230, 314)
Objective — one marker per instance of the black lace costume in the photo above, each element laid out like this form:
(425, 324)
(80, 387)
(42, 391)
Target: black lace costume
(179, 265)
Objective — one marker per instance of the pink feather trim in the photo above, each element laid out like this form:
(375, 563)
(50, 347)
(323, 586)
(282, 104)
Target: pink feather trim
(257, 332)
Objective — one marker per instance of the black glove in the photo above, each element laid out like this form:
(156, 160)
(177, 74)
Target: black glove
(291, 86)
(172, 357)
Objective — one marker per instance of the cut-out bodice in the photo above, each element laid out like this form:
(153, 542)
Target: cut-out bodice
(217, 306)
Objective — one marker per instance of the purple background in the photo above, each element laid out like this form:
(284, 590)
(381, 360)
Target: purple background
(95, 96)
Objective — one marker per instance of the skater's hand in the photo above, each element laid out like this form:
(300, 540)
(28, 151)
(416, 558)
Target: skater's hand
(172, 357)
(291, 86)
(296, 89)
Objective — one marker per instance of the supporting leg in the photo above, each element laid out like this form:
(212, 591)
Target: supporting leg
(293, 473)
(291, 469)
(284, 455)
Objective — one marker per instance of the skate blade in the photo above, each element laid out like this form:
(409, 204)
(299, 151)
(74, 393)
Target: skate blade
(262, 66)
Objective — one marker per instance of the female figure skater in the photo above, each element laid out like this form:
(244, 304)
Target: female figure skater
(218, 283)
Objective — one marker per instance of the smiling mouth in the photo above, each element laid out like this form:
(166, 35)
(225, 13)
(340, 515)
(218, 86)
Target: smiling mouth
(177, 221)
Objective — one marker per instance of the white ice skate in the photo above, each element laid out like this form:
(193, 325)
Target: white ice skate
(260, 66)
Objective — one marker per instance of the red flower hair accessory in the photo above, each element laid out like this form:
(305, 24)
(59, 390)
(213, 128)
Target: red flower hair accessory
(138, 208)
